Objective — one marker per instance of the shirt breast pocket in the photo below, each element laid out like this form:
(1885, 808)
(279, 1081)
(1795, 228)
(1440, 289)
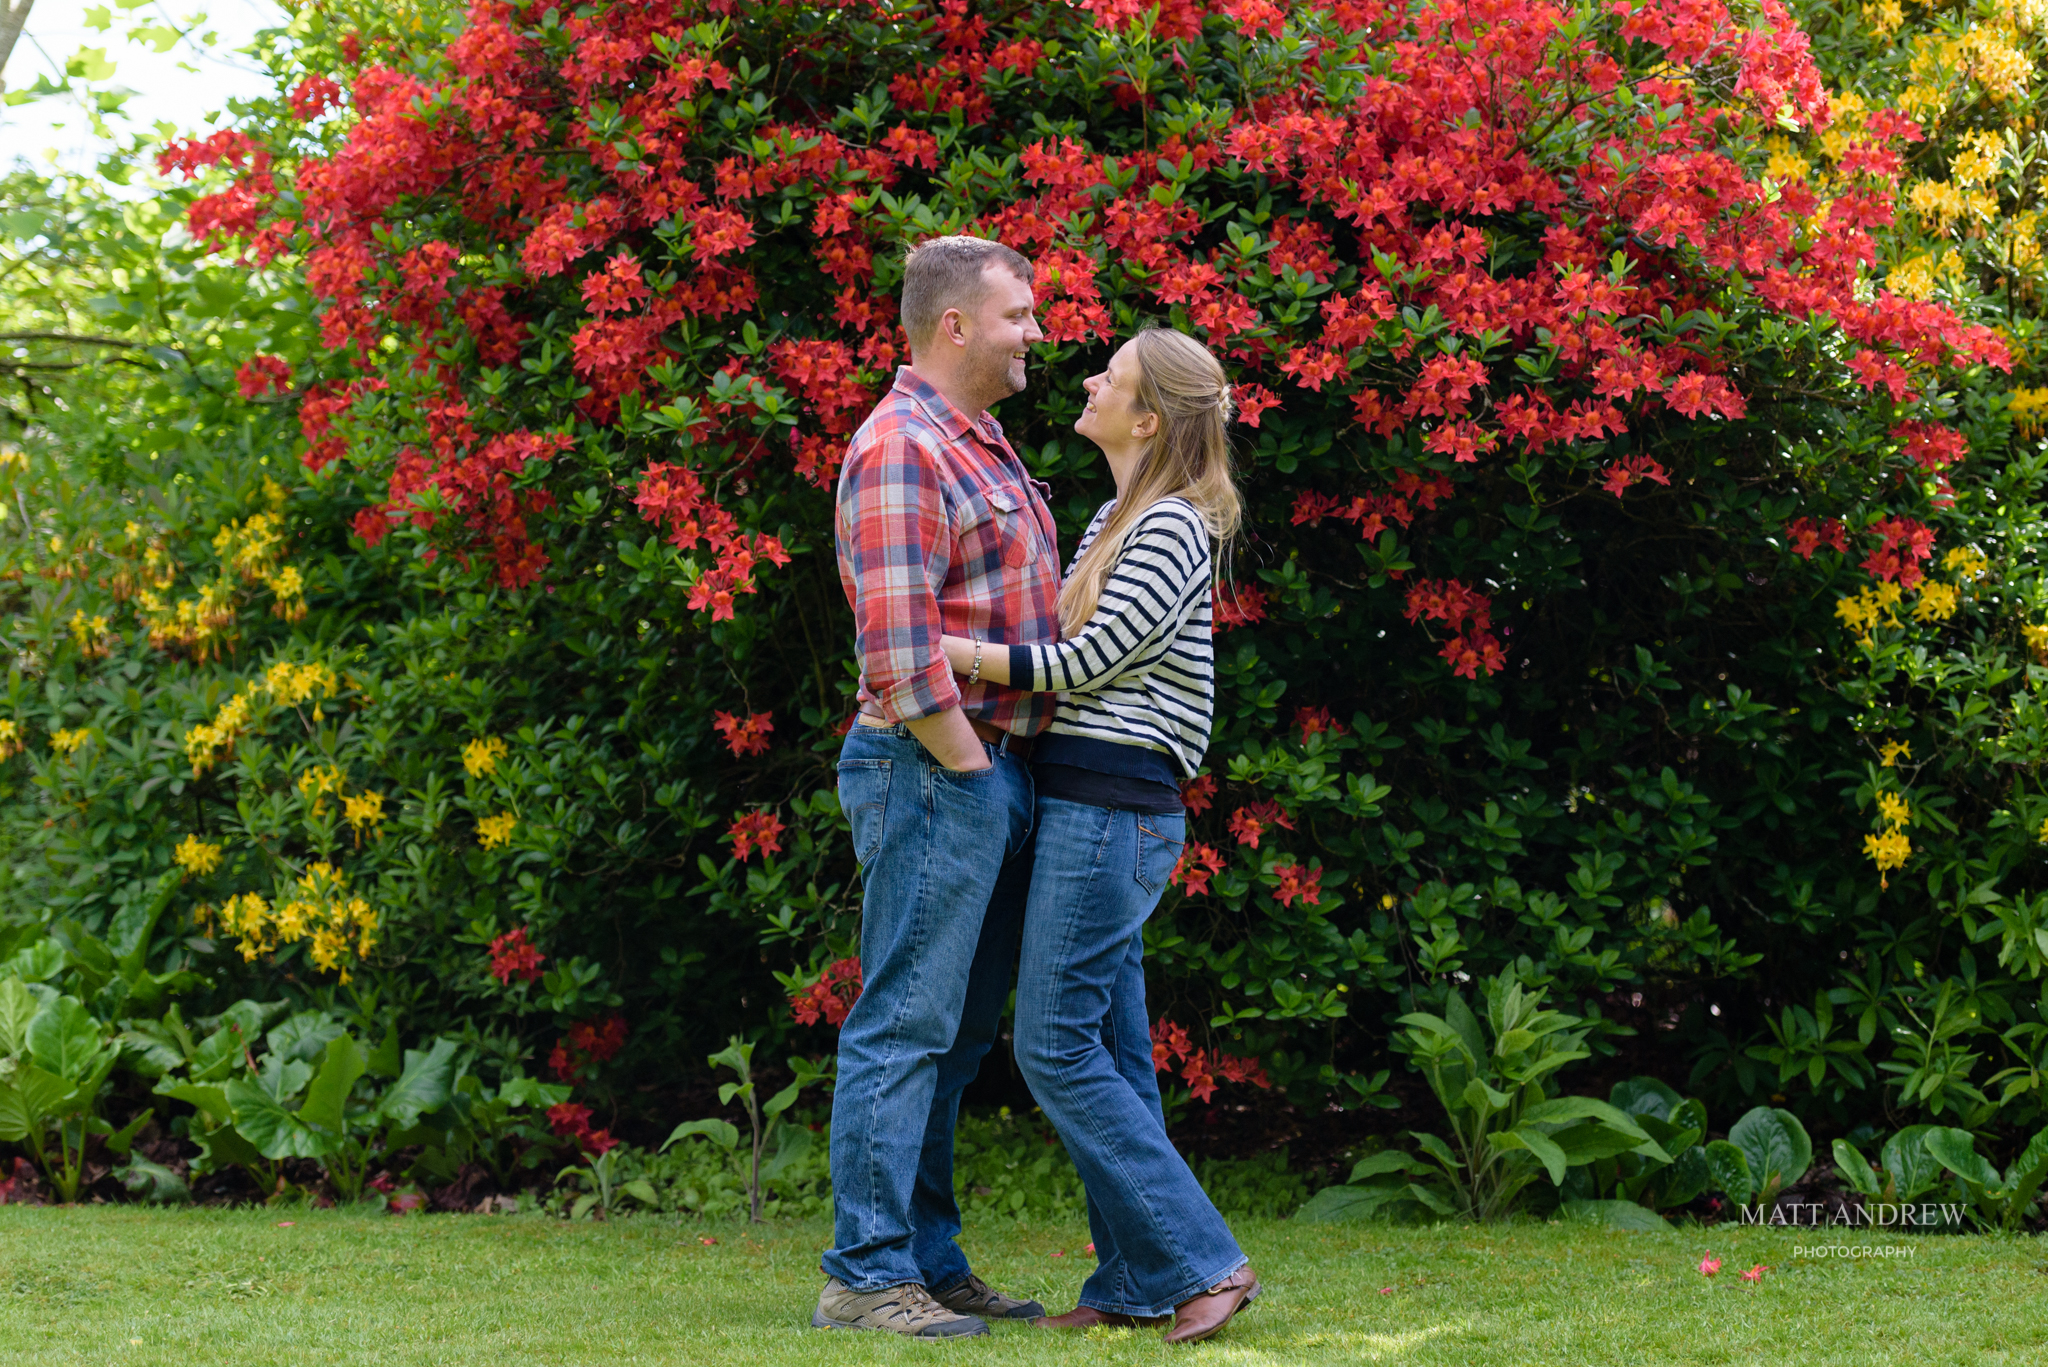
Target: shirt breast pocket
(995, 532)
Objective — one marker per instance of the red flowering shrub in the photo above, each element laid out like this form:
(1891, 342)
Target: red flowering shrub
(1546, 402)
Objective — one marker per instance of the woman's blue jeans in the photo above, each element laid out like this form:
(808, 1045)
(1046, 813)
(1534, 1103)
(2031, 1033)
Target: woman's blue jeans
(1084, 1043)
(945, 859)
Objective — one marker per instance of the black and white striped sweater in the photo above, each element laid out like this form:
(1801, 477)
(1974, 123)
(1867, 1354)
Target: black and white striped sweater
(1142, 672)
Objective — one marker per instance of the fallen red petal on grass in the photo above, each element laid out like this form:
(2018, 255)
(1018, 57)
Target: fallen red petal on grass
(407, 1202)
(1709, 1265)
(1386, 1291)
(1089, 1249)
(286, 1224)
(706, 1239)
(1060, 1254)
(1755, 1274)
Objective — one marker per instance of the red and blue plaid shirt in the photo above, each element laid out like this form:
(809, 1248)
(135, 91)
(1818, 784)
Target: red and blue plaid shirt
(940, 530)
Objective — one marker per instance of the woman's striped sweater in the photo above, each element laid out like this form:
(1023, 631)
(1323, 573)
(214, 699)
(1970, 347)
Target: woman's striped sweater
(1142, 671)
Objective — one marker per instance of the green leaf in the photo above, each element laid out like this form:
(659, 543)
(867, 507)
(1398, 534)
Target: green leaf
(39, 963)
(1730, 1168)
(641, 1190)
(1387, 1160)
(304, 1037)
(1911, 1167)
(223, 1147)
(1591, 1141)
(425, 1085)
(152, 1182)
(1775, 1144)
(1546, 1149)
(65, 1039)
(1641, 1096)
(1855, 1169)
(274, 1131)
(1956, 1150)
(1686, 1178)
(17, 1009)
(1617, 1215)
(1341, 1205)
(121, 1140)
(210, 1102)
(531, 1091)
(720, 1132)
(327, 1098)
(30, 1102)
(1483, 1098)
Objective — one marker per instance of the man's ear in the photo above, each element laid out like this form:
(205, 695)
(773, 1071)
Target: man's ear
(953, 327)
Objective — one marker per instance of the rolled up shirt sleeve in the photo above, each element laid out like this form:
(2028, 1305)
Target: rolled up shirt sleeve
(895, 544)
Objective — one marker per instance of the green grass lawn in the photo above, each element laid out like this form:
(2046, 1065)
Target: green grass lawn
(131, 1286)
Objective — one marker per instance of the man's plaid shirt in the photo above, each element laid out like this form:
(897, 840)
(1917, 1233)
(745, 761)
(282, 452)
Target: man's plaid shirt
(940, 530)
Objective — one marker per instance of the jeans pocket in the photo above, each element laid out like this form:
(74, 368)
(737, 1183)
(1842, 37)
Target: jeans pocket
(1160, 840)
(864, 797)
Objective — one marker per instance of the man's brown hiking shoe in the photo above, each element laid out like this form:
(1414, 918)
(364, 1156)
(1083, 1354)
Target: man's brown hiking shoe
(976, 1297)
(908, 1310)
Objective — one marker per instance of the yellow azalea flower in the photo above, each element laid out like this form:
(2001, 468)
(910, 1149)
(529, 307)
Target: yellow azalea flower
(318, 781)
(2036, 638)
(494, 831)
(1893, 751)
(481, 756)
(364, 809)
(1894, 808)
(1967, 563)
(1937, 602)
(66, 742)
(197, 856)
(1888, 851)
(1885, 17)
(2042, 834)
(10, 740)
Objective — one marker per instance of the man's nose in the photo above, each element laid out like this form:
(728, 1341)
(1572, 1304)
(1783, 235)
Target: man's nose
(1032, 336)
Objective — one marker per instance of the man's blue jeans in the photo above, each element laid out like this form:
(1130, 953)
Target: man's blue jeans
(945, 860)
(1084, 1044)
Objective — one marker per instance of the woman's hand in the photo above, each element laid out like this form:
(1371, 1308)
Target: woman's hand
(995, 659)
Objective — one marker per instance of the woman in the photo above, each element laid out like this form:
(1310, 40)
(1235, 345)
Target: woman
(1139, 680)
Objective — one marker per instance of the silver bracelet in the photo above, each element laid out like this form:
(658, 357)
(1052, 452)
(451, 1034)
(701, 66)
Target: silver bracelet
(975, 673)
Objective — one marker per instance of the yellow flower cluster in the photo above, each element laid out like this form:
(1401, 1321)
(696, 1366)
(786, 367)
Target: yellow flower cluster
(481, 756)
(202, 625)
(318, 781)
(1892, 751)
(1937, 602)
(10, 739)
(1966, 563)
(363, 809)
(283, 684)
(1890, 849)
(2029, 409)
(1869, 609)
(2036, 638)
(494, 831)
(68, 742)
(320, 907)
(251, 551)
(90, 633)
(197, 856)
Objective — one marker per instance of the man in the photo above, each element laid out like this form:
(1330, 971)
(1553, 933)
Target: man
(939, 529)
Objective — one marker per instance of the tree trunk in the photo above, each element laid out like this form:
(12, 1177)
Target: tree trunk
(13, 14)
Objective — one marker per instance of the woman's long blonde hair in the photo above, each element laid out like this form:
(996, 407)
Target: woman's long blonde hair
(1189, 457)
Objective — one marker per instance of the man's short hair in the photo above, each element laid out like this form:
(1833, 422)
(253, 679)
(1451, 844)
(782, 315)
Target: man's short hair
(946, 273)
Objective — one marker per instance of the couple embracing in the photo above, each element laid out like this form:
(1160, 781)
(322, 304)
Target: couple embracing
(1012, 782)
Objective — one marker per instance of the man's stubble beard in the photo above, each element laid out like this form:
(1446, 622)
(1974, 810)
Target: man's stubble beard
(991, 375)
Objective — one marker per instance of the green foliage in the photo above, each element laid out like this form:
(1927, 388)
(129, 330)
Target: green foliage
(54, 1059)
(2003, 1201)
(766, 1117)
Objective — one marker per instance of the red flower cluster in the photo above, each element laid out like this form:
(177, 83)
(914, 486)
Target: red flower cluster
(745, 736)
(674, 497)
(1296, 881)
(1931, 445)
(261, 374)
(587, 1044)
(1805, 536)
(1238, 606)
(1468, 614)
(758, 830)
(571, 1121)
(830, 996)
(1198, 863)
(1316, 721)
(1198, 792)
(513, 957)
(1904, 543)
(1619, 475)
(1253, 820)
(1170, 1044)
